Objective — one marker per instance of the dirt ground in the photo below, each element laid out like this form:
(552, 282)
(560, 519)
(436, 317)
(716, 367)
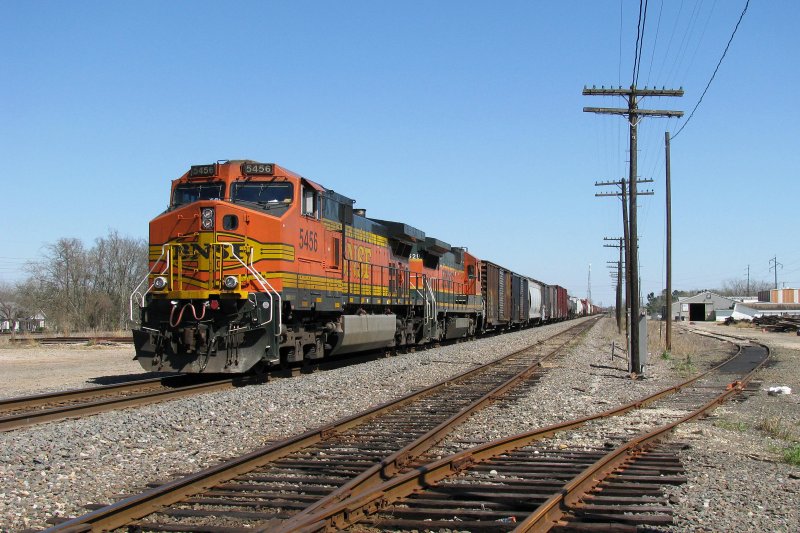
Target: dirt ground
(788, 340)
(28, 369)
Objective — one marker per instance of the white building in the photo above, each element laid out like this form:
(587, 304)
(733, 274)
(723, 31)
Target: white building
(701, 307)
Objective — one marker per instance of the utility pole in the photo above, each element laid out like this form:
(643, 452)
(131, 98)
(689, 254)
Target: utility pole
(589, 290)
(619, 263)
(634, 115)
(774, 266)
(669, 246)
(623, 195)
(627, 236)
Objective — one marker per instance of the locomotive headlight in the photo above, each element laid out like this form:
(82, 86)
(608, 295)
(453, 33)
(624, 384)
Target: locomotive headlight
(230, 282)
(159, 283)
(207, 217)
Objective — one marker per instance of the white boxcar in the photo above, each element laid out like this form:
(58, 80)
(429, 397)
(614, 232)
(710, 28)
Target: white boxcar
(576, 306)
(536, 308)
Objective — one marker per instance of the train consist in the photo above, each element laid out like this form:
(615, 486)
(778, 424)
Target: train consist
(253, 265)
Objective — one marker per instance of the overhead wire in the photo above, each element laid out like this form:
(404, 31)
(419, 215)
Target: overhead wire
(638, 38)
(655, 42)
(699, 44)
(713, 75)
(680, 54)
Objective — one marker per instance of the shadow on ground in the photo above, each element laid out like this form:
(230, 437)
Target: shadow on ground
(126, 378)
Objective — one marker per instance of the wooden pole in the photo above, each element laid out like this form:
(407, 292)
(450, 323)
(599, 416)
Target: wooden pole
(669, 247)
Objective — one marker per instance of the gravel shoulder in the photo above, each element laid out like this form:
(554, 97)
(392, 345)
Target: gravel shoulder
(29, 369)
(55, 468)
(737, 477)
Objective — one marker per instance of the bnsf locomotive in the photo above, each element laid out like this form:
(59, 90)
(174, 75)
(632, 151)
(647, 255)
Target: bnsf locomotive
(253, 265)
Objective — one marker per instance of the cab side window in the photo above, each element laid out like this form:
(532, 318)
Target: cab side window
(310, 202)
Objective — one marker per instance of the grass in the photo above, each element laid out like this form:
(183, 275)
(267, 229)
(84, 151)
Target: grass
(792, 455)
(685, 366)
(682, 345)
(730, 425)
(775, 427)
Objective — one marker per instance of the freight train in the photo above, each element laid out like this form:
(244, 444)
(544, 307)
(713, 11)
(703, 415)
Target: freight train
(253, 266)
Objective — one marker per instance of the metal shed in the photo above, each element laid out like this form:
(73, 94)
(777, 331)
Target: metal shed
(701, 307)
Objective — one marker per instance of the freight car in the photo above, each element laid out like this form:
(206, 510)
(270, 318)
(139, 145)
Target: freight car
(253, 265)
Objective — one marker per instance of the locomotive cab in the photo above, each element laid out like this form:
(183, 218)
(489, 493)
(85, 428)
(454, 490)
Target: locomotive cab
(212, 301)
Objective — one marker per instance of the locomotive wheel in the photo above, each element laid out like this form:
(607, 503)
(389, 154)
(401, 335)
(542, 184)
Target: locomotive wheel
(286, 355)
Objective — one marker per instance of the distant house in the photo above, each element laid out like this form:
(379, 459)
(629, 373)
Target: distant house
(23, 325)
(703, 306)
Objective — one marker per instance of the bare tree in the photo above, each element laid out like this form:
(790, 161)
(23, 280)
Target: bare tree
(9, 306)
(738, 287)
(88, 289)
(119, 264)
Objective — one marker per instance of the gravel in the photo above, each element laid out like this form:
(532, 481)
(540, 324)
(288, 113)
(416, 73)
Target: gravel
(28, 369)
(54, 469)
(736, 477)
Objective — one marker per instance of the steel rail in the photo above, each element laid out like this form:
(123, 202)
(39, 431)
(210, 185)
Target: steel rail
(137, 506)
(22, 402)
(352, 510)
(552, 511)
(68, 340)
(402, 458)
(29, 418)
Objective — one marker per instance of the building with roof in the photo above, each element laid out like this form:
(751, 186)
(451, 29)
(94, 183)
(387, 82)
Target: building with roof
(703, 306)
(751, 310)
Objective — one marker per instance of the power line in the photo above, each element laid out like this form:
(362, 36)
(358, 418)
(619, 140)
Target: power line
(655, 42)
(637, 57)
(715, 70)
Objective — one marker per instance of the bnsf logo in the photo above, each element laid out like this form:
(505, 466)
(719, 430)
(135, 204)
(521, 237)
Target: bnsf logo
(194, 250)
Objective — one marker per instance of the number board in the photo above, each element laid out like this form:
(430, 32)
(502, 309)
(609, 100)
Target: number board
(203, 171)
(258, 169)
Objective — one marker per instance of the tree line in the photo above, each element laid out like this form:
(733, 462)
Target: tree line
(79, 287)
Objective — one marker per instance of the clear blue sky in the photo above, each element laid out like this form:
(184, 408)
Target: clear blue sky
(463, 119)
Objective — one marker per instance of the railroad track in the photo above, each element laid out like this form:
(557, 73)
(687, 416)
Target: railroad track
(329, 464)
(72, 340)
(523, 483)
(25, 411)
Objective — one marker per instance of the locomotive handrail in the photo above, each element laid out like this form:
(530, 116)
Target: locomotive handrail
(268, 288)
(430, 305)
(164, 249)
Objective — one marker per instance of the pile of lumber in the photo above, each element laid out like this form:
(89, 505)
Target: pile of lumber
(778, 323)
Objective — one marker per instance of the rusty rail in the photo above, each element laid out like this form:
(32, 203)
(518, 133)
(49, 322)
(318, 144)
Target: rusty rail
(32, 410)
(153, 500)
(352, 510)
(71, 340)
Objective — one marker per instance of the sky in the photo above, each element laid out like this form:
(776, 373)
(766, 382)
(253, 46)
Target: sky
(464, 119)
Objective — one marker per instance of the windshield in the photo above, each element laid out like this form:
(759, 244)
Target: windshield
(187, 193)
(272, 196)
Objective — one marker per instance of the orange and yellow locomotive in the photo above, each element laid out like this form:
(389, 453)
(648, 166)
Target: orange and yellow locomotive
(253, 265)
